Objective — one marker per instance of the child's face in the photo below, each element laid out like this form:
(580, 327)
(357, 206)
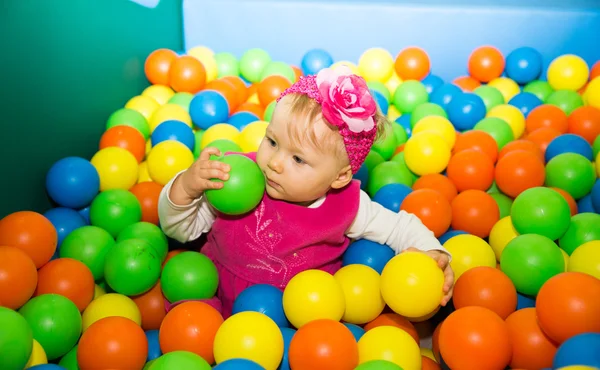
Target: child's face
(299, 172)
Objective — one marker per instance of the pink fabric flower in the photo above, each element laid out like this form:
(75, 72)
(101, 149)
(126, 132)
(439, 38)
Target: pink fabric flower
(346, 99)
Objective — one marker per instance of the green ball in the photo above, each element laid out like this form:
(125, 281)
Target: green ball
(55, 322)
(373, 160)
(189, 275)
(150, 233)
(268, 115)
(115, 209)
(88, 244)
(541, 211)
(541, 89)
(504, 203)
(378, 365)
(275, 68)
(380, 87)
(410, 95)
(386, 145)
(490, 95)
(227, 65)
(132, 267)
(243, 190)
(129, 117)
(498, 129)
(182, 99)
(566, 100)
(252, 64)
(399, 158)
(596, 146)
(400, 133)
(69, 361)
(225, 146)
(493, 188)
(571, 172)
(389, 173)
(180, 360)
(584, 227)
(530, 260)
(425, 110)
(197, 140)
(16, 340)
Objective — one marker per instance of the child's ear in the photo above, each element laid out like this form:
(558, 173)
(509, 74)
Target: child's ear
(343, 178)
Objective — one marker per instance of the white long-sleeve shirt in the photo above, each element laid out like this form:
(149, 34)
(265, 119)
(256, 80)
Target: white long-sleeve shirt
(373, 222)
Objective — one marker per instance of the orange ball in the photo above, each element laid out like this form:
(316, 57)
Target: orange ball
(568, 305)
(241, 90)
(471, 169)
(147, 193)
(595, 70)
(542, 137)
(69, 278)
(569, 198)
(399, 149)
(438, 182)
(466, 83)
(532, 349)
(172, 254)
(152, 307)
(271, 88)
(125, 137)
(585, 122)
(190, 326)
(518, 171)
(323, 344)
(478, 140)
(431, 207)
(429, 364)
(256, 109)
(18, 277)
(486, 63)
(475, 338)
(475, 212)
(113, 342)
(486, 287)
(395, 320)
(187, 74)
(546, 115)
(157, 66)
(31, 232)
(412, 64)
(227, 89)
(435, 342)
(521, 144)
(297, 72)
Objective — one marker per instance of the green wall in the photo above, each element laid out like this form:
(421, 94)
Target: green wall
(66, 65)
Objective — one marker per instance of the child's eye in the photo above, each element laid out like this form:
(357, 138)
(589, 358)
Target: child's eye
(271, 142)
(298, 160)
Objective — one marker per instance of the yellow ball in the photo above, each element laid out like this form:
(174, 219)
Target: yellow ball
(217, 132)
(253, 99)
(393, 113)
(117, 168)
(598, 165)
(586, 259)
(568, 72)
(252, 135)
(148, 146)
(392, 344)
(502, 232)
(143, 104)
(207, 57)
(512, 115)
(98, 291)
(249, 335)
(427, 352)
(160, 93)
(169, 112)
(412, 283)
(469, 251)
(426, 153)
(438, 125)
(393, 83)
(38, 355)
(353, 67)
(376, 64)
(360, 284)
(313, 295)
(111, 304)
(167, 159)
(592, 93)
(565, 258)
(144, 175)
(507, 87)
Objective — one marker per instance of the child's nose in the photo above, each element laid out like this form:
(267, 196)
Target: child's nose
(275, 163)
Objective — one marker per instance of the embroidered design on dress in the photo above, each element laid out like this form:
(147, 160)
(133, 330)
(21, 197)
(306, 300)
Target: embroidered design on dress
(264, 244)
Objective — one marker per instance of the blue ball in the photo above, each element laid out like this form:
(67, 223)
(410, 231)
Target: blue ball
(85, 213)
(449, 234)
(262, 298)
(315, 60)
(64, 221)
(47, 367)
(72, 182)
(404, 121)
(432, 82)
(381, 101)
(523, 65)
(595, 196)
(363, 176)
(569, 143)
(368, 253)
(444, 94)
(391, 196)
(153, 345)
(582, 349)
(207, 108)
(288, 334)
(356, 330)
(238, 364)
(524, 301)
(174, 130)
(526, 102)
(584, 205)
(465, 110)
(242, 119)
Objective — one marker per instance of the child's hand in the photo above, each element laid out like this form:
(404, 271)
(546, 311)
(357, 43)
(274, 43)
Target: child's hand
(197, 178)
(443, 262)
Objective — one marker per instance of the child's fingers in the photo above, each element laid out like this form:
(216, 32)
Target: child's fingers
(208, 185)
(207, 152)
(213, 173)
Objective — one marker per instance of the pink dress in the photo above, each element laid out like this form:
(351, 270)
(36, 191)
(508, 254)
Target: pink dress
(276, 241)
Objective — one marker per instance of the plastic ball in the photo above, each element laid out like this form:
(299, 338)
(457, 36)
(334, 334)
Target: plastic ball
(409, 95)
(376, 64)
(584, 227)
(207, 57)
(238, 364)
(18, 277)
(69, 278)
(88, 244)
(251, 136)
(578, 353)
(569, 143)
(242, 119)
(469, 251)
(444, 94)
(566, 100)
(466, 83)
(252, 63)
(431, 207)
(262, 298)
(475, 212)
(227, 64)
(471, 169)
(207, 108)
(532, 349)
(179, 360)
(391, 196)
(220, 131)
(189, 275)
(425, 110)
(157, 65)
(368, 253)
(525, 102)
(271, 88)
(360, 285)
(187, 74)
(315, 60)
(568, 72)
(125, 137)
(449, 235)
(571, 172)
(432, 82)
(498, 129)
(541, 89)
(182, 99)
(490, 95)
(116, 167)
(486, 63)
(173, 130)
(585, 122)
(502, 233)
(160, 93)
(390, 344)
(586, 259)
(541, 211)
(145, 106)
(72, 182)
(115, 209)
(167, 159)
(524, 65)
(518, 171)
(391, 172)
(132, 118)
(147, 193)
(427, 153)
(412, 63)
(280, 69)
(16, 339)
(506, 86)
(169, 112)
(438, 125)
(38, 359)
(65, 220)
(511, 115)
(592, 93)
(32, 233)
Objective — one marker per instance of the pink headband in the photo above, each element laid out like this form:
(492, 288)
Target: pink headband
(347, 104)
